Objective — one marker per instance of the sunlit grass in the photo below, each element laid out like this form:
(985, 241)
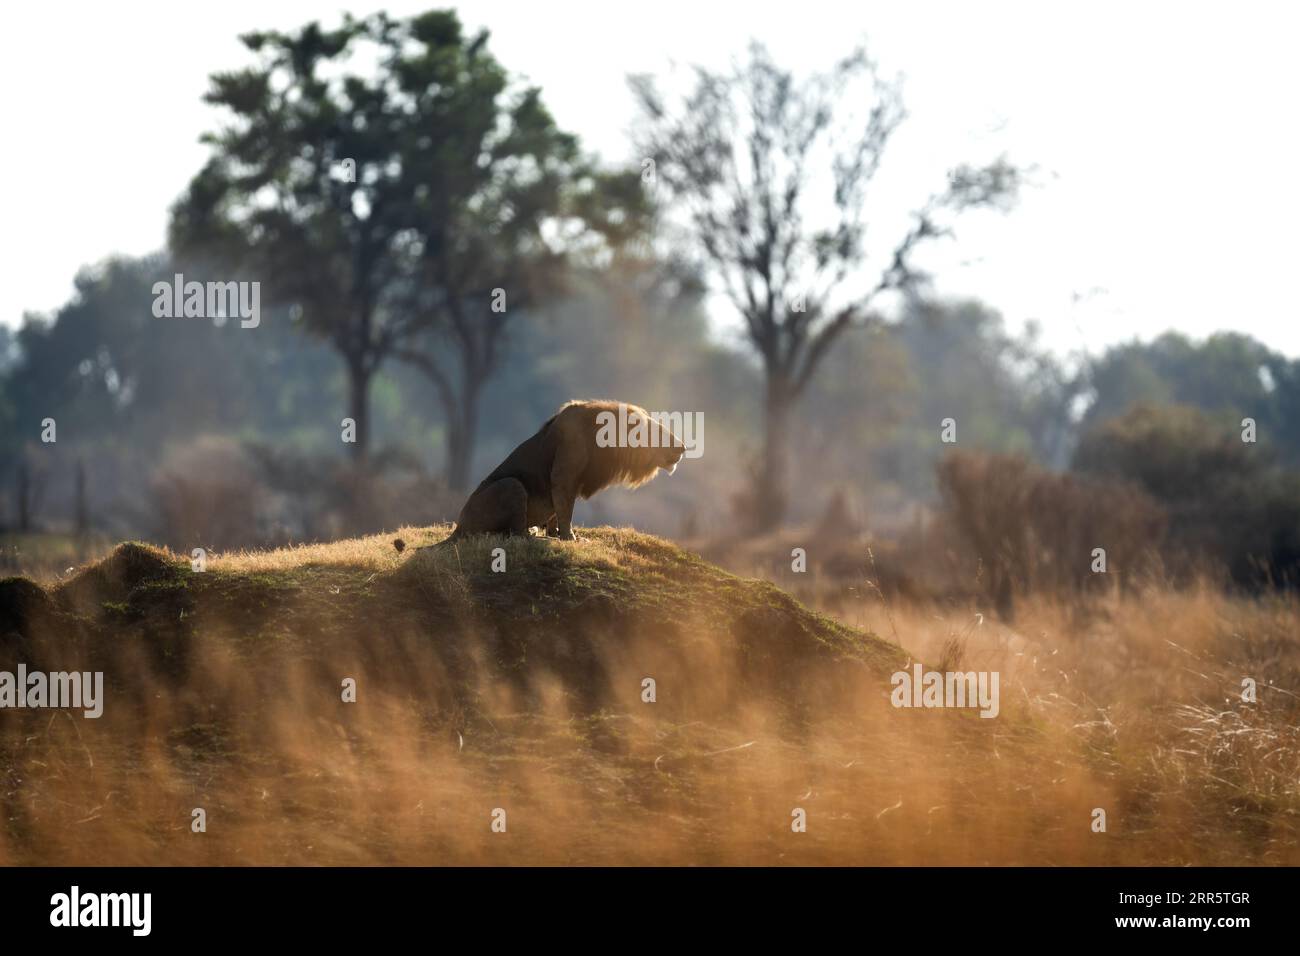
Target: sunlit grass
(523, 690)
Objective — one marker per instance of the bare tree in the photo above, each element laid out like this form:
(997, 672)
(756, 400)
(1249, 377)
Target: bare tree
(743, 155)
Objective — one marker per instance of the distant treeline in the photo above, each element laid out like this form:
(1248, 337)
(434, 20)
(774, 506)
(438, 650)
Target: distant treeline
(438, 265)
(200, 432)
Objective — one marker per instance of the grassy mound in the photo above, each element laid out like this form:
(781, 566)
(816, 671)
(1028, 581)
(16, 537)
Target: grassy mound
(524, 610)
(522, 654)
(614, 700)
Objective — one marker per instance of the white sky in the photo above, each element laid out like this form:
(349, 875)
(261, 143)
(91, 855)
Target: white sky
(1167, 134)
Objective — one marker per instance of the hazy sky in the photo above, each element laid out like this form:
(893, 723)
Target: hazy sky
(1166, 134)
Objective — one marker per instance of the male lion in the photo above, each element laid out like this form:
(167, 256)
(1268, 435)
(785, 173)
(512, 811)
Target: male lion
(536, 486)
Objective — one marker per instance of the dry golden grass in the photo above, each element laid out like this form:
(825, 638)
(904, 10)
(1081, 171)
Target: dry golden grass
(1148, 691)
(522, 691)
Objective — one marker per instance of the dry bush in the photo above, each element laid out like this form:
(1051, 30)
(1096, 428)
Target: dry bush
(208, 493)
(1035, 531)
(220, 494)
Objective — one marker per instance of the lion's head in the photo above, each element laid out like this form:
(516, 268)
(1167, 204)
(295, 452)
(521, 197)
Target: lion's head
(630, 446)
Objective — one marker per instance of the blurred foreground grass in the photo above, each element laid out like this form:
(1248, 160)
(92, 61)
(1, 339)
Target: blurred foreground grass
(525, 690)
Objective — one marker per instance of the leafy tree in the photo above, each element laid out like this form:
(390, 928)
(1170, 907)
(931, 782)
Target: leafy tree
(497, 198)
(1228, 375)
(8, 349)
(82, 366)
(275, 203)
(1229, 505)
(389, 207)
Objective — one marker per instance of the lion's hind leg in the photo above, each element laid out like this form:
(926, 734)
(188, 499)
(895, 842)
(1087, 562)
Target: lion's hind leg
(499, 508)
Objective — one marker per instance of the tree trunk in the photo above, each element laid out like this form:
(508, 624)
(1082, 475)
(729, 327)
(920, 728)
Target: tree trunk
(83, 514)
(24, 496)
(1003, 597)
(770, 499)
(462, 430)
(359, 407)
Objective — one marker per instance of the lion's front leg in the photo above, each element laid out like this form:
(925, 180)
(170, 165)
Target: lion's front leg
(565, 473)
(563, 520)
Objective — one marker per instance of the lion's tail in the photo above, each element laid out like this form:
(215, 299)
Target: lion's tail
(452, 538)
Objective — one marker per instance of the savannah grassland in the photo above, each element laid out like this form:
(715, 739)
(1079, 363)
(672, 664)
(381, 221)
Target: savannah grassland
(523, 691)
